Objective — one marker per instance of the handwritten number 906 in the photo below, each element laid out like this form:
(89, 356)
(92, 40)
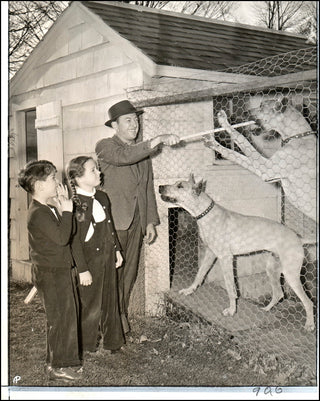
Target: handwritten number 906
(267, 390)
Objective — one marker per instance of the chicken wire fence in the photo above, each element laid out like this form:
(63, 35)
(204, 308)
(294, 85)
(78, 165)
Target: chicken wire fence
(268, 169)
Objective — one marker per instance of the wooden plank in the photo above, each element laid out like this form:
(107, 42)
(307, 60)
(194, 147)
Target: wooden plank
(199, 135)
(204, 94)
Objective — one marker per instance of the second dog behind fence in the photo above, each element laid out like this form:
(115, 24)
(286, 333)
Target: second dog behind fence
(294, 164)
(225, 233)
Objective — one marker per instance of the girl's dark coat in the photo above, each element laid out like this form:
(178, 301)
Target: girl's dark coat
(82, 228)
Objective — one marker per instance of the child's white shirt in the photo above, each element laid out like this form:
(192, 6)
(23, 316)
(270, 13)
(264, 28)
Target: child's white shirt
(97, 211)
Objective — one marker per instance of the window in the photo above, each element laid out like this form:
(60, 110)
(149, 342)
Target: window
(31, 139)
(31, 136)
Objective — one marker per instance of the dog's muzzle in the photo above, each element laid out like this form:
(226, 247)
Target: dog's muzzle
(164, 197)
(168, 199)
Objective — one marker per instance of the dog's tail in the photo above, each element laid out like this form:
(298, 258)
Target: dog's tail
(310, 247)
(310, 251)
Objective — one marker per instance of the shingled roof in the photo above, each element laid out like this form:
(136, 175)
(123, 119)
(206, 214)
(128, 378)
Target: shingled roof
(180, 40)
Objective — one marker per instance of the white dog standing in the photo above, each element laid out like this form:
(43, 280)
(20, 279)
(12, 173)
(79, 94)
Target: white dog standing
(225, 234)
(294, 164)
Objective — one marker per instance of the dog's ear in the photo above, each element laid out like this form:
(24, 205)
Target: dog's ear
(199, 187)
(191, 179)
(281, 105)
(204, 185)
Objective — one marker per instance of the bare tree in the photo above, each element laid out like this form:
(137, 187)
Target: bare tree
(284, 15)
(28, 22)
(151, 4)
(209, 9)
(308, 26)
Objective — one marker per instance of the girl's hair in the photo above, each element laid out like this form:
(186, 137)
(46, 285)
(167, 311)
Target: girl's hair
(36, 170)
(74, 169)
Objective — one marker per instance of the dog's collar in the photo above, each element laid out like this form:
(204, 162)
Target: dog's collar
(298, 136)
(206, 211)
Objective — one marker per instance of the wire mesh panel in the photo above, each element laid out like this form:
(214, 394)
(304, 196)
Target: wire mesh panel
(237, 243)
(287, 63)
(280, 147)
(181, 119)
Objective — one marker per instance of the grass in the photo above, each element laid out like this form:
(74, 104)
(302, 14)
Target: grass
(160, 352)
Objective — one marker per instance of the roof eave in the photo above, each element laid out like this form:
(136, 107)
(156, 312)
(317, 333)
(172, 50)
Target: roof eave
(201, 75)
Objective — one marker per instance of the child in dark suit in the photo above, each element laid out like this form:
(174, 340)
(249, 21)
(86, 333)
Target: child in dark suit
(49, 240)
(96, 251)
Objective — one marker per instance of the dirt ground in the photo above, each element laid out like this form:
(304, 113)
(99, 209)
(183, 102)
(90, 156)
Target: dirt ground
(159, 352)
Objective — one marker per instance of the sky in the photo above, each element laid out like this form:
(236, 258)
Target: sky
(245, 13)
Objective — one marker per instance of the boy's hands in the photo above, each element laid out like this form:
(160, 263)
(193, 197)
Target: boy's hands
(64, 203)
(85, 278)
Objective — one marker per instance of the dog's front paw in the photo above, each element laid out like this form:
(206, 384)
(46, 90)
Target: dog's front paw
(229, 312)
(187, 291)
(209, 141)
(223, 119)
(309, 326)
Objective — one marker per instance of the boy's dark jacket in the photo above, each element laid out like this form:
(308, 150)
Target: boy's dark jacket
(82, 227)
(49, 237)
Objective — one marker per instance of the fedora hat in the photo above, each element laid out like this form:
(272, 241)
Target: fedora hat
(120, 109)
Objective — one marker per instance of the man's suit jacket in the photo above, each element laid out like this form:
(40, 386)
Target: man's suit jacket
(128, 181)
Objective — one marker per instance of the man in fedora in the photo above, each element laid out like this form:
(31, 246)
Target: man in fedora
(128, 181)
